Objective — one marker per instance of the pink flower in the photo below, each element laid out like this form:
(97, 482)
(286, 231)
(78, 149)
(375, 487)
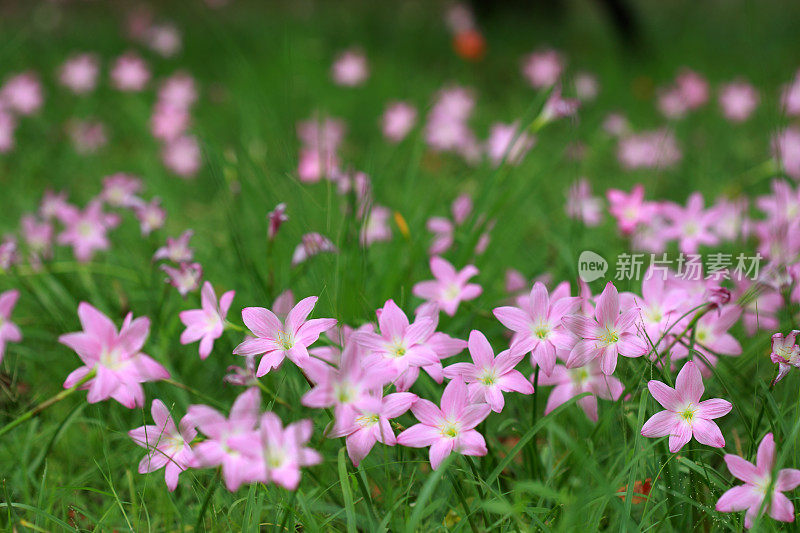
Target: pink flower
(712, 337)
(785, 353)
(786, 148)
(276, 340)
(283, 452)
(182, 156)
(226, 437)
(120, 190)
(537, 325)
(450, 287)
(169, 121)
(449, 429)
(176, 250)
(761, 307)
(505, 145)
(54, 205)
(605, 336)
(242, 376)
(86, 230)
(151, 216)
(22, 93)
(672, 103)
(400, 343)
(164, 39)
(738, 100)
(206, 324)
(790, 96)
(371, 423)
(758, 481)
(586, 86)
(489, 377)
(348, 386)
(9, 332)
(276, 218)
(398, 119)
(693, 87)
(350, 68)
(630, 210)
(38, 235)
(581, 205)
(376, 227)
(167, 446)
(312, 244)
(186, 278)
(650, 149)
(557, 107)
(685, 415)
(178, 90)
(691, 225)
(659, 305)
(87, 136)
(570, 382)
(79, 73)
(116, 357)
(7, 126)
(130, 73)
(543, 68)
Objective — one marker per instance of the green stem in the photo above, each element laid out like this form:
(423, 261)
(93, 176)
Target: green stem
(45, 404)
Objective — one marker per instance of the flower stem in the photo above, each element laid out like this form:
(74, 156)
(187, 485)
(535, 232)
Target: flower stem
(45, 404)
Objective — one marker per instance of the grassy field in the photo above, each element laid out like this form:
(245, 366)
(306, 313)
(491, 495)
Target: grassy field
(260, 68)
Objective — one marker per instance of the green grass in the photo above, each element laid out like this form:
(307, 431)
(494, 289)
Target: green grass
(261, 68)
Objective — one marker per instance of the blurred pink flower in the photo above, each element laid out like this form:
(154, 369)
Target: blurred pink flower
(87, 136)
(22, 93)
(206, 324)
(672, 104)
(450, 428)
(167, 445)
(227, 437)
(130, 73)
(790, 96)
(758, 482)
(738, 100)
(570, 382)
(176, 250)
(312, 244)
(182, 156)
(543, 68)
(86, 231)
(169, 121)
(276, 218)
(786, 148)
(186, 278)
(7, 126)
(120, 190)
(376, 226)
(630, 209)
(116, 357)
(9, 332)
(282, 450)
(151, 216)
(38, 235)
(690, 225)
(693, 87)
(507, 143)
(79, 73)
(398, 119)
(178, 90)
(164, 39)
(653, 149)
(450, 287)
(581, 205)
(684, 414)
(350, 68)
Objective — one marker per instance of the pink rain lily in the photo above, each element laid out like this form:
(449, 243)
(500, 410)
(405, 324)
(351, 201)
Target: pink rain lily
(712, 337)
(38, 235)
(785, 353)
(450, 287)
(276, 218)
(206, 324)
(86, 230)
(182, 156)
(537, 325)
(349, 386)
(570, 382)
(151, 216)
(371, 424)
(630, 210)
(9, 332)
(277, 340)
(130, 73)
(759, 486)
(116, 357)
(543, 68)
(398, 119)
(691, 225)
(738, 100)
(581, 205)
(226, 437)
(186, 278)
(310, 245)
(177, 249)
(685, 415)
(119, 190)
(505, 144)
(284, 451)
(450, 428)
(659, 304)
(79, 73)
(400, 343)
(350, 68)
(167, 445)
(489, 376)
(607, 335)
